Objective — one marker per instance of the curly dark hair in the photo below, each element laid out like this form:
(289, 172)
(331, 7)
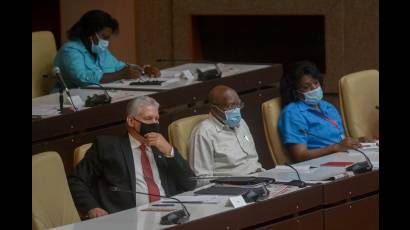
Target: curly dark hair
(90, 23)
(293, 73)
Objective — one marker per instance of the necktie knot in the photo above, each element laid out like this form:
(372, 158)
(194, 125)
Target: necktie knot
(143, 147)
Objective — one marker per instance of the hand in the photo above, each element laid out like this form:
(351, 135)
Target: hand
(157, 140)
(366, 140)
(129, 72)
(96, 212)
(347, 143)
(151, 71)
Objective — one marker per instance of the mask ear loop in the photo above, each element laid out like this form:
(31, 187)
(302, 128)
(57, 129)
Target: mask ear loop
(222, 111)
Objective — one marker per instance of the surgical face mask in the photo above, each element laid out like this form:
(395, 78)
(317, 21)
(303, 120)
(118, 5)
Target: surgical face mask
(313, 97)
(233, 117)
(101, 46)
(149, 128)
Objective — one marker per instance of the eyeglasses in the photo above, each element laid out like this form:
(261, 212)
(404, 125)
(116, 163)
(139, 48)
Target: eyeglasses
(230, 107)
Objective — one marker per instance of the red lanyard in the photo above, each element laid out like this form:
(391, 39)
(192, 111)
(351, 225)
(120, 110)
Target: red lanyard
(333, 122)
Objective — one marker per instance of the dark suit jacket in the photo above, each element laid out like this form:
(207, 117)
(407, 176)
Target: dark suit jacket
(109, 162)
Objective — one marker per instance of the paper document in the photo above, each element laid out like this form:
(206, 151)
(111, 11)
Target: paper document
(375, 164)
(206, 199)
(300, 169)
(170, 74)
(315, 174)
(278, 189)
(45, 110)
(119, 95)
(369, 146)
(163, 81)
(337, 164)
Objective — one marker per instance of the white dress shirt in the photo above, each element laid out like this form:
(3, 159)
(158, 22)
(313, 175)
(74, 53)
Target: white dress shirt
(141, 185)
(217, 150)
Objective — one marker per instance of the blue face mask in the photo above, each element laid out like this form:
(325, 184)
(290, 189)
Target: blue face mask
(101, 46)
(313, 97)
(233, 117)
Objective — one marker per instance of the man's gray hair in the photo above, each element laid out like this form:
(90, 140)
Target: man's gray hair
(135, 106)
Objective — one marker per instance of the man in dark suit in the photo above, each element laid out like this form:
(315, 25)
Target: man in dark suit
(140, 161)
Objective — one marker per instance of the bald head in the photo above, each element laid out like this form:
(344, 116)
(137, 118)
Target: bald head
(224, 96)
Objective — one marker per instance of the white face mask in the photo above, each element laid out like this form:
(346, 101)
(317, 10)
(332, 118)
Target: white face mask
(101, 46)
(313, 97)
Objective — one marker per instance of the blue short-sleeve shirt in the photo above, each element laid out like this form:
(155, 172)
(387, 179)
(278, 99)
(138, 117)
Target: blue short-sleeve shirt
(79, 68)
(300, 124)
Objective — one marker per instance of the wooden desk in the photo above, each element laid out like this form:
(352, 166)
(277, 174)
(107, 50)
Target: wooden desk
(317, 207)
(349, 203)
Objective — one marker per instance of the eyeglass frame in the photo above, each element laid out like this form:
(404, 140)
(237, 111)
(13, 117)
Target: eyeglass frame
(230, 107)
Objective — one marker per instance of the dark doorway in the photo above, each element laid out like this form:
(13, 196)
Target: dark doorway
(260, 39)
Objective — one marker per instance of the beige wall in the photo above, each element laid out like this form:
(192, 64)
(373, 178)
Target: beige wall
(352, 34)
(124, 44)
(361, 40)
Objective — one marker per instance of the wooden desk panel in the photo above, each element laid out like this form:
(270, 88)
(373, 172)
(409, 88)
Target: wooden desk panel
(361, 214)
(103, 115)
(312, 220)
(256, 214)
(347, 189)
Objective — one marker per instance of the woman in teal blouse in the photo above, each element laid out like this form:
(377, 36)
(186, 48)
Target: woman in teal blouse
(85, 58)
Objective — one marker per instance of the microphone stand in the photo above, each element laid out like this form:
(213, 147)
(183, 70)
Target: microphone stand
(176, 217)
(299, 182)
(61, 97)
(98, 99)
(357, 168)
(361, 167)
(63, 86)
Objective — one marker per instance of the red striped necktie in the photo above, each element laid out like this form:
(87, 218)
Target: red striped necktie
(148, 176)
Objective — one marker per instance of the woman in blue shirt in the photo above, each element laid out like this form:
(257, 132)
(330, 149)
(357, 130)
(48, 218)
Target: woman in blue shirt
(85, 58)
(310, 127)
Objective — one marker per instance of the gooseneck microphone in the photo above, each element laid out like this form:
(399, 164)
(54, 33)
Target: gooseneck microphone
(357, 168)
(98, 99)
(298, 182)
(361, 167)
(63, 86)
(176, 217)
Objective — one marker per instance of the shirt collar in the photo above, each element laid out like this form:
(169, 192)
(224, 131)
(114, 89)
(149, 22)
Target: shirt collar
(135, 144)
(303, 106)
(219, 126)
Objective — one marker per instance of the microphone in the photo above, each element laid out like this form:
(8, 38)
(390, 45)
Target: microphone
(176, 217)
(357, 168)
(361, 167)
(63, 85)
(98, 99)
(57, 73)
(299, 182)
